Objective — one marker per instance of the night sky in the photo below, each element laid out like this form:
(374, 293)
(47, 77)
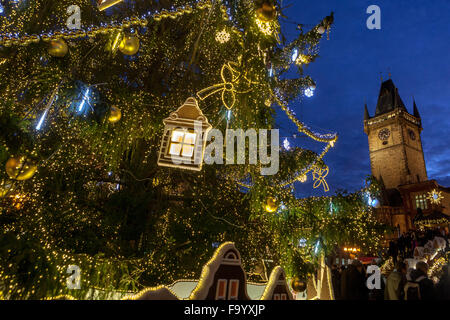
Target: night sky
(413, 45)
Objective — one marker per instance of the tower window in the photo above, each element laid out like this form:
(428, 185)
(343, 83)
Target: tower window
(421, 202)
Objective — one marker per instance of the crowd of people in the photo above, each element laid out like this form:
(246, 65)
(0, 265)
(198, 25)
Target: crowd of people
(350, 283)
(403, 283)
(404, 246)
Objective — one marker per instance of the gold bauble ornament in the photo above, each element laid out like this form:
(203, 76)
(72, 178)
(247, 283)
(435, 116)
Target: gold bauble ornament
(20, 168)
(114, 115)
(267, 12)
(298, 285)
(129, 45)
(271, 204)
(58, 48)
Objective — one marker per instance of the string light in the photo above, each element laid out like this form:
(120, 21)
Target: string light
(41, 120)
(286, 144)
(228, 114)
(294, 55)
(8, 40)
(84, 100)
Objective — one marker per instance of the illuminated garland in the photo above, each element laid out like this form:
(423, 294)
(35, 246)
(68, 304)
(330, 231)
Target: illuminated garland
(60, 297)
(431, 222)
(8, 40)
(436, 268)
(302, 128)
(330, 139)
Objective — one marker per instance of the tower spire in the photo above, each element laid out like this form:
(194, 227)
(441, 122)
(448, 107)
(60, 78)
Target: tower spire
(366, 112)
(416, 111)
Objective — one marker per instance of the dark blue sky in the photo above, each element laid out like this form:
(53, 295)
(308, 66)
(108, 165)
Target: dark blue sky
(413, 45)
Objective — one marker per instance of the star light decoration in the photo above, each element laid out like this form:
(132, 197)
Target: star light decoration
(309, 92)
(223, 36)
(435, 196)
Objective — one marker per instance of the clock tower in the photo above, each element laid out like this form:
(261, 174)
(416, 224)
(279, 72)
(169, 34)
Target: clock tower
(395, 145)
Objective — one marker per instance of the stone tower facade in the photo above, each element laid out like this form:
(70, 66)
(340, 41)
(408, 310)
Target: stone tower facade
(395, 145)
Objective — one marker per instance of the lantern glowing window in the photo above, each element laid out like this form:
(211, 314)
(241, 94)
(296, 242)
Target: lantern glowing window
(182, 143)
(184, 138)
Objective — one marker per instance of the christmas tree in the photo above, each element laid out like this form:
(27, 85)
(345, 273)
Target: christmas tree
(87, 92)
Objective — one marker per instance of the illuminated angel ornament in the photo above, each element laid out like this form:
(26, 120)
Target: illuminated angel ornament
(105, 4)
(435, 196)
(184, 140)
(223, 36)
(230, 79)
(319, 176)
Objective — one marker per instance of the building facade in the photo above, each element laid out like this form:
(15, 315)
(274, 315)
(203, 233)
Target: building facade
(398, 163)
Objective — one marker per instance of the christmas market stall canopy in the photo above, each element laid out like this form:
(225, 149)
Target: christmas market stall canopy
(432, 220)
(222, 278)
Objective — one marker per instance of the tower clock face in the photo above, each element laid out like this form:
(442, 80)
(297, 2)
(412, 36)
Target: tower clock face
(412, 135)
(384, 134)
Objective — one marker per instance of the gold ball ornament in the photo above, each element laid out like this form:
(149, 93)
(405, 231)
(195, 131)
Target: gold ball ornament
(20, 168)
(271, 204)
(115, 114)
(321, 30)
(58, 48)
(298, 285)
(129, 45)
(267, 12)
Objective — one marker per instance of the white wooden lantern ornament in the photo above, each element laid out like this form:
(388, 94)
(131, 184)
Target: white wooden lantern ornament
(184, 140)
